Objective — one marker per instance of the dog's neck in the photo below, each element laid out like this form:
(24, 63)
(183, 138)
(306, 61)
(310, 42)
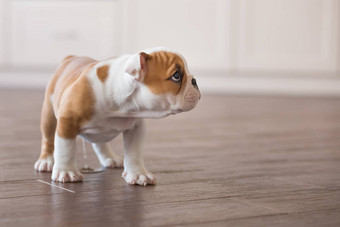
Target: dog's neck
(120, 95)
(119, 86)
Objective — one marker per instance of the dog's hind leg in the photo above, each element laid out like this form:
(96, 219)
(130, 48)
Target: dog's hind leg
(107, 157)
(47, 126)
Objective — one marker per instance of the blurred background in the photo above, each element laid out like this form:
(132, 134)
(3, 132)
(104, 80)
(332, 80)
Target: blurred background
(289, 47)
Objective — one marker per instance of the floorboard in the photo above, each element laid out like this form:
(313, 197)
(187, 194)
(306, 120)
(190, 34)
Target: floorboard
(232, 161)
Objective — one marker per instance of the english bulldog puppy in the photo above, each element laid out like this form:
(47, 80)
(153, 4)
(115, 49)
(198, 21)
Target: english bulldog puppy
(98, 100)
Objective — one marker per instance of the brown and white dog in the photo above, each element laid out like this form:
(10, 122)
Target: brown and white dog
(100, 99)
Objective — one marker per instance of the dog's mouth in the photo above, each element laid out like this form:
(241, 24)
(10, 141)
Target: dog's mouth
(176, 111)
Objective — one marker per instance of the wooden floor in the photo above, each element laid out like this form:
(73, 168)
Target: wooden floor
(233, 161)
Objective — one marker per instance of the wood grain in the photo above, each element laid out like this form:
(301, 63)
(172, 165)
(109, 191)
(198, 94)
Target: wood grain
(232, 161)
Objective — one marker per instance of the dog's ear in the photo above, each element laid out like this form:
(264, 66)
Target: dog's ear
(137, 66)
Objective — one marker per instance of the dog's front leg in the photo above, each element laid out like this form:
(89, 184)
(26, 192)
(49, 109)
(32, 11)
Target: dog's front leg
(134, 170)
(65, 166)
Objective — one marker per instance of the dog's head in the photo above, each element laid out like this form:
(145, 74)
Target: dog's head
(164, 82)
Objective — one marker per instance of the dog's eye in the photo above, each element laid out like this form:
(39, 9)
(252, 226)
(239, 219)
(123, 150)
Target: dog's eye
(176, 77)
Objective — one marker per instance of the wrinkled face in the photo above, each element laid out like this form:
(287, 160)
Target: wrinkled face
(167, 77)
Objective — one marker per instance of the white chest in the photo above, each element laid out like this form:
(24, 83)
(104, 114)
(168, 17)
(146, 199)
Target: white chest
(104, 129)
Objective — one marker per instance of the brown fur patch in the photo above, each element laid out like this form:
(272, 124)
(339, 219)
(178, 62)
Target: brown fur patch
(103, 72)
(161, 66)
(47, 126)
(76, 107)
(70, 71)
(73, 94)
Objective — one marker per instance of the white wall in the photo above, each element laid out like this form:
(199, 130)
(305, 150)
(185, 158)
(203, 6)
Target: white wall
(272, 45)
(265, 35)
(2, 23)
(298, 35)
(197, 29)
(45, 31)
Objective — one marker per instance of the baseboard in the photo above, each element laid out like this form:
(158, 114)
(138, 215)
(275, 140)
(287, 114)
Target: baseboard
(266, 85)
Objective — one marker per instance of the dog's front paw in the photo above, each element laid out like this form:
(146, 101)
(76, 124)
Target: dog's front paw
(66, 175)
(116, 162)
(44, 164)
(141, 177)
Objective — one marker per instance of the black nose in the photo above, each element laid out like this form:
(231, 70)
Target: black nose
(193, 82)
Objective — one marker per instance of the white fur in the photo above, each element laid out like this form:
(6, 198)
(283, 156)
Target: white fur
(65, 166)
(134, 169)
(45, 164)
(106, 156)
(121, 102)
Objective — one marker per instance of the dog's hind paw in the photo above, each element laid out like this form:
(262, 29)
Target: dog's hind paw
(116, 162)
(142, 178)
(44, 164)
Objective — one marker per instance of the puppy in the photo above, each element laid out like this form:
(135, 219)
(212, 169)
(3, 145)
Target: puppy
(98, 100)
